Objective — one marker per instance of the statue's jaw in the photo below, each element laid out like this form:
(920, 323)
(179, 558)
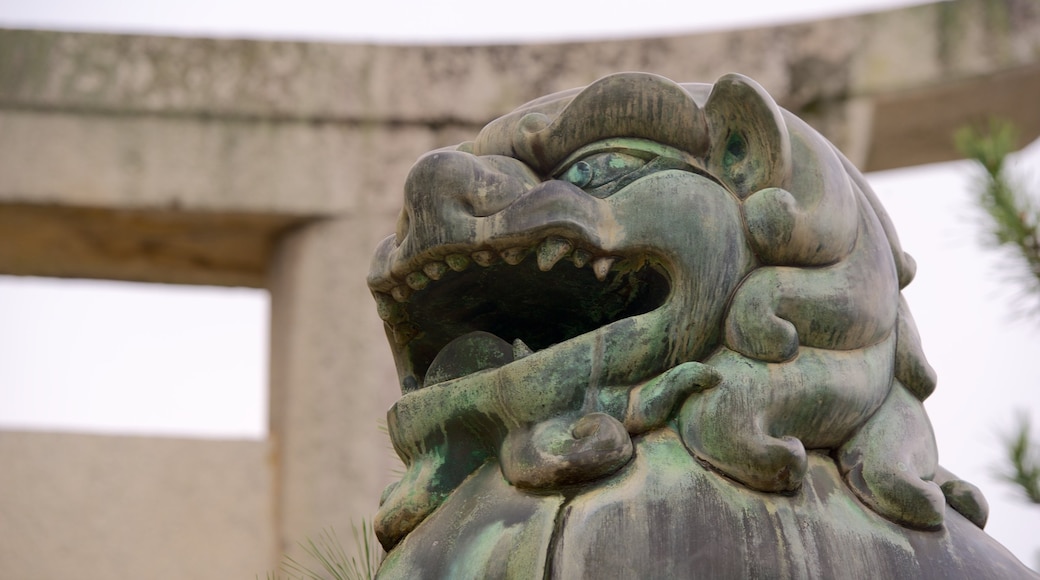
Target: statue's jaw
(539, 324)
(467, 309)
(499, 346)
(550, 262)
(552, 419)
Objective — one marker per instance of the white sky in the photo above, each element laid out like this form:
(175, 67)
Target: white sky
(66, 343)
(418, 21)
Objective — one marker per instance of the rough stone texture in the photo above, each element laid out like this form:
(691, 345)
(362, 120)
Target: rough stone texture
(491, 532)
(693, 523)
(88, 506)
(908, 120)
(822, 532)
(331, 383)
(140, 245)
(199, 201)
(815, 69)
(148, 162)
(805, 63)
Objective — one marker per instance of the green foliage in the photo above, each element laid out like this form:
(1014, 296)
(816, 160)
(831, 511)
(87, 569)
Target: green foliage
(1024, 459)
(1015, 223)
(331, 559)
(1015, 218)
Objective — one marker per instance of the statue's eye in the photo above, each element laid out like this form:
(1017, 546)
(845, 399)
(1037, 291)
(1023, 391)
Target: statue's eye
(602, 174)
(736, 150)
(579, 174)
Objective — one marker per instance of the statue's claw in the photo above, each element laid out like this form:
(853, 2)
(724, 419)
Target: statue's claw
(564, 451)
(964, 497)
(404, 505)
(778, 464)
(654, 403)
(752, 457)
(903, 497)
(753, 327)
(891, 461)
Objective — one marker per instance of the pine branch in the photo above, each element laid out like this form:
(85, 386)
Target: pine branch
(332, 560)
(1015, 222)
(1024, 458)
(1015, 218)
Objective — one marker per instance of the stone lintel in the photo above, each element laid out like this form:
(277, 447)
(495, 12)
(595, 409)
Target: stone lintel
(917, 127)
(802, 65)
(198, 201)
(174, 247)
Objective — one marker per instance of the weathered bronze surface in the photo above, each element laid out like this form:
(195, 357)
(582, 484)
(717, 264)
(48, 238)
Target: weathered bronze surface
(651, 330)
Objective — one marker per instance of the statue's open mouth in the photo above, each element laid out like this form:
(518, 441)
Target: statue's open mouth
(528, 297)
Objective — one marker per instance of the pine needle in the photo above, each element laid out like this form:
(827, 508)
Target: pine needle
(1014, 217)
(331, 562)
(1023, 456)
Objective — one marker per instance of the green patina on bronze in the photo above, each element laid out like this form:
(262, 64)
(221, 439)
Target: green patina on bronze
(641, 318)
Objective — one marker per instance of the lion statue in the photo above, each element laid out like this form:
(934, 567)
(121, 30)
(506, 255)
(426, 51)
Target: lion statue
(649, 329)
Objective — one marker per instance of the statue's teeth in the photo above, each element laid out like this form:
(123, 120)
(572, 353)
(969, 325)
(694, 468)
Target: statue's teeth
(435, 270)
(514, 256)
(416, 280)
(601, 266)
(388, 308)
(401, 293)
(484, 257)
(520, 350)
(580, 258)
(457, 262)
(551, 251)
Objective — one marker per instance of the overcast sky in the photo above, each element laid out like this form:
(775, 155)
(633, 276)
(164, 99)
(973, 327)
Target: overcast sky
(418, 21)
(68, 344)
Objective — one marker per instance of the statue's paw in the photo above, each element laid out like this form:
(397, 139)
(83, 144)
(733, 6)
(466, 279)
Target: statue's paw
(653, 404)
(898, 494)
(890, 463)
(967, 500)
(757, 332)
(762, 462)
(564, 451)
(405, 504)
(777, 464)
(770, 215)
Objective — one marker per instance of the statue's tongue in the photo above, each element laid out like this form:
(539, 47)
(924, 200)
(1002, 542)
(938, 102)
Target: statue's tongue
(468, 354)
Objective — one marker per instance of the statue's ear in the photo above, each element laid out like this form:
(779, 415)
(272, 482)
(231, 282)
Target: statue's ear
(750, 149)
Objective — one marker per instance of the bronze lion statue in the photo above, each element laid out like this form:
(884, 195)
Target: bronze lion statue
(649, 329)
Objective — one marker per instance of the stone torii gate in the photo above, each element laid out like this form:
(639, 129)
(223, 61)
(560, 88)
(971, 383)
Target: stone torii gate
(279, 165)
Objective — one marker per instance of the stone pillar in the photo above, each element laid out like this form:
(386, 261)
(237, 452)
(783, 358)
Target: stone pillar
(332, 380)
